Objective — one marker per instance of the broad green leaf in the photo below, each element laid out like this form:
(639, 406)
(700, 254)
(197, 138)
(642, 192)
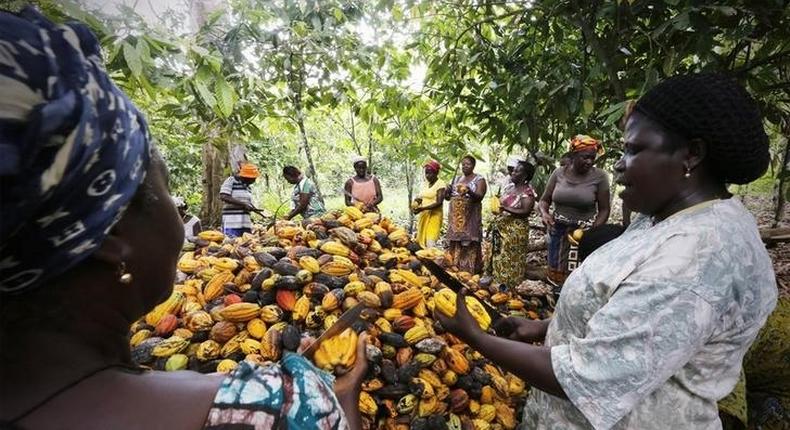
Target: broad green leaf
(588, 106)
(143, 50)
(226, 97)
(132, 57)
(201, 86)
(523, 133)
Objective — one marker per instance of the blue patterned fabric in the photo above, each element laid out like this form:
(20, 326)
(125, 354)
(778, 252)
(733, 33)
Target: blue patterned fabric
(73, 149)
(291, 394)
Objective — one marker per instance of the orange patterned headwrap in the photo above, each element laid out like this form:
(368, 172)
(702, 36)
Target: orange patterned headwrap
(582, 142)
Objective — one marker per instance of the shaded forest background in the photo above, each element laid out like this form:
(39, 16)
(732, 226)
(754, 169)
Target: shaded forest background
(313, 83)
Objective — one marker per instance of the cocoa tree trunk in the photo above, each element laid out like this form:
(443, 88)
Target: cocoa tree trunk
(410, 177)
(308, 153)
(214, 159)
(780, 186)
(213, 176)
(295, 76)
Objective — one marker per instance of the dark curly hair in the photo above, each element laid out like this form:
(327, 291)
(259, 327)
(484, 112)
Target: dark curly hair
(717, 110)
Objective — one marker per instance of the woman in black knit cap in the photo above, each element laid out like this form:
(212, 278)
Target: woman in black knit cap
(651, 329)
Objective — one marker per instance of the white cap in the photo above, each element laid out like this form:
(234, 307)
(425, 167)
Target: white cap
(512, 161)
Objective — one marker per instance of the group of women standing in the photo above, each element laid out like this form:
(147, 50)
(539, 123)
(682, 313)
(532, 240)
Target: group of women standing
(577, 190)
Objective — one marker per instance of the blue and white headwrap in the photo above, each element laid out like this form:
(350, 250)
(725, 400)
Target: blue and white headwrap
(73, 149)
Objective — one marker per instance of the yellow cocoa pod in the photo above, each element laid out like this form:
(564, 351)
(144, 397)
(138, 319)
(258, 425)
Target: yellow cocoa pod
(363, 223)
(392, 314)
(416, 334)
(256, 328)
(353, 213)
(335, 248)
(407, 299)
(337, 268)
(250, 346)
(383, 325)
(487, 413)
(187, 264)
(370, 299)
(505, 415)
(251, 264)
(211, 235)
(427, 406)
(271, 314)
(227, 366)
(170, 346)
(354, 287)
(367, 405)
(226, 263)
(170, 306)
(301, 308)
(450, 378)
(176, 362)
(456, 361)
(479, 424)
(208, 350)
(409, 277)
(216, 285)
(444, 300)
(487, 395)
(139, 336)
(240, 312)
(430, 377)
(310, 264)
(516, 386)
(406, 404)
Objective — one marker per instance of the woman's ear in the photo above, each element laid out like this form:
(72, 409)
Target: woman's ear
(697, 151)
(113, 250)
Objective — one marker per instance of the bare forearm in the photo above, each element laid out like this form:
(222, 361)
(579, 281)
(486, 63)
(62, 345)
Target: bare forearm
(350, 404)
(544, 207)
(231, 200)
(529, 362)
(601, 217)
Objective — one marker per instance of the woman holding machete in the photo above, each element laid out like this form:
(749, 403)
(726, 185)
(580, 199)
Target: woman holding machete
(651, 329)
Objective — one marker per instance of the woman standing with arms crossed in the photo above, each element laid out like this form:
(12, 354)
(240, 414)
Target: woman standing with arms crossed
(510, 236)
(580, 195)
(465, 224)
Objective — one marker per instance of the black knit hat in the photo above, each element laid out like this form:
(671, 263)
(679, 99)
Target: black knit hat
(719, 111)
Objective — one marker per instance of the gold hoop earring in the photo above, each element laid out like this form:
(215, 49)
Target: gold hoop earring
(124, 277)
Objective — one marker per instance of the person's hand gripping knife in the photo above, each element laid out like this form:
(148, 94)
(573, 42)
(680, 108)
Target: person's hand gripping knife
(510, 347)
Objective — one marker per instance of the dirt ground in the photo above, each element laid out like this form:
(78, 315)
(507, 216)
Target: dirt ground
(762, 208)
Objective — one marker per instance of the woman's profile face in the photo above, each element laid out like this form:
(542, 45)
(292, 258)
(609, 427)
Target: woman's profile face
(651, 169)
(154, 233)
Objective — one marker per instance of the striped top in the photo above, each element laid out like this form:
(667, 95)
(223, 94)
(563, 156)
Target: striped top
(234, 216)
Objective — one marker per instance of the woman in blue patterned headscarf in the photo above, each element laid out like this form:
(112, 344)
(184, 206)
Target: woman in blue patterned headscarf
(89, 240)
